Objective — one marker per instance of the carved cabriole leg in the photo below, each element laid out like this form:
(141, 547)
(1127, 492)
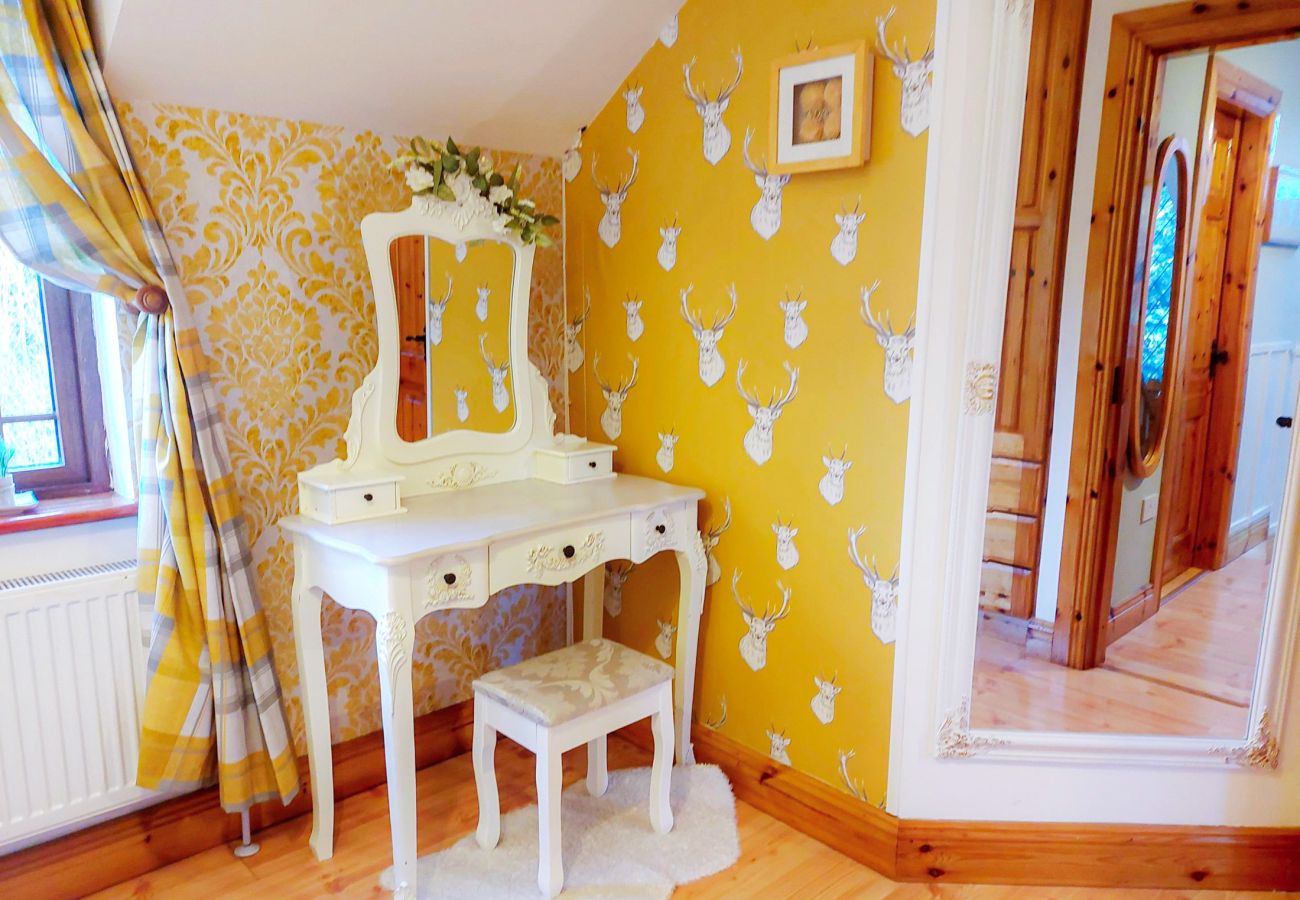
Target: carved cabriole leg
(550, 782)
(485, 778)
(593, 624)
(692, 566)
(394, 642)
(314, 694)
(661, 772)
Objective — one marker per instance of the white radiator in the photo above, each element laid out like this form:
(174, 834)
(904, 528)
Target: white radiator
(71, 682)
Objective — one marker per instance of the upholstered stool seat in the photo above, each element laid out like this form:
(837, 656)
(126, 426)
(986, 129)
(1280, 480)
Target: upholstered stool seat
(554, 702)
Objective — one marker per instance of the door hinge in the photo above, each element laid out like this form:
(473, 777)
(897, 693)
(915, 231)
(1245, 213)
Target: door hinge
(1218, 357)
(1116, 384)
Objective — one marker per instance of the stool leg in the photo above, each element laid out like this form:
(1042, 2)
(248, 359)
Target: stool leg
(485, 777)
(661, 772)
(597, 768)
(550, 863)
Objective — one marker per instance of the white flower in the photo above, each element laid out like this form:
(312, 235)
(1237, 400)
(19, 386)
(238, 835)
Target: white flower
(418, 178)
(463, 187)
(500, 194)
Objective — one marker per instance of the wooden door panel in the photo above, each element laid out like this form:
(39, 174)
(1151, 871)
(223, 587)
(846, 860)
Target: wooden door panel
(1016, 487)
(1011, 539)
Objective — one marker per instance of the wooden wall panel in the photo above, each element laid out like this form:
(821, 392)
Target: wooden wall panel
(1026, 386)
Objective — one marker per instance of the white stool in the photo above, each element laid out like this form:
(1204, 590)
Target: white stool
(554, 702)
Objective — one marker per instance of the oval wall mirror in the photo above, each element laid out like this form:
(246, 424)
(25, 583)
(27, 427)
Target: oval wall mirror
(1159, 307)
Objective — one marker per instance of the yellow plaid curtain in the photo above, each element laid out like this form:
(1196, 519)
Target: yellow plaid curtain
(72, 208)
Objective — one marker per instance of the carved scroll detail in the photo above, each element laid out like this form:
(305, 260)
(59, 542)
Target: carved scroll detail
(1260, 752)
(441, 595)
(980, 395)
(548, 558)
(390, 635)
(462, 475)
(955, 740)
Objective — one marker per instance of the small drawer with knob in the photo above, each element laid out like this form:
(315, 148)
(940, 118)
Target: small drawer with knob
(574, 459)
(555, 557)
(661, 528)
(456, 580)
(345, 496)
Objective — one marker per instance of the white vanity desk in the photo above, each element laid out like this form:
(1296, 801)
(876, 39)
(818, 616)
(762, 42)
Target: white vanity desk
(403, 528)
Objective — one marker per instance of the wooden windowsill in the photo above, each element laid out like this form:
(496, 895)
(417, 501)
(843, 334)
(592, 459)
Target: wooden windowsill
(70, 511)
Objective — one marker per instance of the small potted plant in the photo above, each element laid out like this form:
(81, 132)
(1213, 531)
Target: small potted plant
(7, 496)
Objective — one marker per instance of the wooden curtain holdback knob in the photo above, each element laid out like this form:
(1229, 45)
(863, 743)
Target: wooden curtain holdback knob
(151, 299)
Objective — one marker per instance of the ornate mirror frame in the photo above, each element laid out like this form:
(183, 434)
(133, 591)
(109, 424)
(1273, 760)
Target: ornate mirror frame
(939, 766)
(460, 458)
(1171, 153)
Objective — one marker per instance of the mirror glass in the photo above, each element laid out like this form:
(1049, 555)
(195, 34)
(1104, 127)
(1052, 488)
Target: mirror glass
(453, 312)
(1161, 282)
(1141, 383)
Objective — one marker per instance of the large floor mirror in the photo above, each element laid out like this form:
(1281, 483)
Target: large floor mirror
(1145, 611)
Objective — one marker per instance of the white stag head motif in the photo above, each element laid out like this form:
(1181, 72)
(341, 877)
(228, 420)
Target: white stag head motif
(753, 646)
(635, 326)
(796, 329)
(573, 352)
(787, 554)
(765, 217)
(717, 139)
(500, 397)
(832, 484)
(436, 309)
(615, 577)
(897, 347)
(610, 228)
(758, 439)
(710, 539)
(611, 420)
(884, 591)
(712, 365)
(664, 640)
(462, 404)
(779, 743)
(667, 254)
(571, 162)
(481, 305)
(914, 74)
(668, 34)
(855, 785)
(823, 702)
(664, 456)
(844, 246)
(635, 111)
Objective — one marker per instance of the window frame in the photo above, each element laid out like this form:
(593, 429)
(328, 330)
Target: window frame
(78, 400)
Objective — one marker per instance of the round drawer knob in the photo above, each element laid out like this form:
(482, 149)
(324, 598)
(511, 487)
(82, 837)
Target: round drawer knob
(661, 528)
(591, 465)
(368, 497)
(568, 551)
(450, 578)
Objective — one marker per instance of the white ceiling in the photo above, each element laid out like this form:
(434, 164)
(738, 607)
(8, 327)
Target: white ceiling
(509, 74)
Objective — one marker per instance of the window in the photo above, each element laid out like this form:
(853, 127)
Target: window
(50, 405)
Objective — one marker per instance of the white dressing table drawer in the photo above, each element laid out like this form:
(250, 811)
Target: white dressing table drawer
(555, 557)
(661, 528)
(456, 580)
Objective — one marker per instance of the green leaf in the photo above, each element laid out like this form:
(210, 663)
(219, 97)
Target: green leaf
(481, 184)
(548, 219)
(437, 171)
(444, 193)
(450, 164)
(451, 146)
(495, 180)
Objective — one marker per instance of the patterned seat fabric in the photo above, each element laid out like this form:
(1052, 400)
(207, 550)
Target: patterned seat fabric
(566, 683)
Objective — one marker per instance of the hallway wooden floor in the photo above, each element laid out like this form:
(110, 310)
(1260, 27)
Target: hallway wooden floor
(1187, 670)
(776, 861)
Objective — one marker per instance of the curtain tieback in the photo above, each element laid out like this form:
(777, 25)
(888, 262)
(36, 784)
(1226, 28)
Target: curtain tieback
(152, 300)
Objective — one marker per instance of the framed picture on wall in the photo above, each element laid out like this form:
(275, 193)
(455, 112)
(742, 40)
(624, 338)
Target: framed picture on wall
(821, 109)
(1282, 215)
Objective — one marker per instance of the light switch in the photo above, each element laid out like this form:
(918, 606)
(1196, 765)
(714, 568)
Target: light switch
(1150, 504)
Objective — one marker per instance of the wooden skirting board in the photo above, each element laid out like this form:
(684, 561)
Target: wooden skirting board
(1153, 856)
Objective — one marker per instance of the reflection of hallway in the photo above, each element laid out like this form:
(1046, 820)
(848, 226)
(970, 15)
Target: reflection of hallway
(1187, 670)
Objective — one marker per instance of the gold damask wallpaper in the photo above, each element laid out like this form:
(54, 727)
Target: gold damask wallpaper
(263, 217)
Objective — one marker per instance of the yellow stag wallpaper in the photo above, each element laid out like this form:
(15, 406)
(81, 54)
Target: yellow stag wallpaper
(767, 319)
(263, 216)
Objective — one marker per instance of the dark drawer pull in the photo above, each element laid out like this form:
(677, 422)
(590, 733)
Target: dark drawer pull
(1285, 421)
(568, 551)
(661, 528)
(450, 578)
(591, 465)
(368, 497)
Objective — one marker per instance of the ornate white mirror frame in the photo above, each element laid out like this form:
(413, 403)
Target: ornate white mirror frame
(454, 459)
(939, 766)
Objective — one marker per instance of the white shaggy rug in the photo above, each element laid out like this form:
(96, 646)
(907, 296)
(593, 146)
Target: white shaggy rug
(609, 848)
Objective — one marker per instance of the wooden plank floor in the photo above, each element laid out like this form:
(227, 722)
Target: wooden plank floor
(1187, 670)
(776, 861)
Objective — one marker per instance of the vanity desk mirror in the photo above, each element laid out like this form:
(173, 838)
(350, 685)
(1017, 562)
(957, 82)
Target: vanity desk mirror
(454, 486)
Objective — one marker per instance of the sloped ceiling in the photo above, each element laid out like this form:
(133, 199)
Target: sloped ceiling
(511, 74)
